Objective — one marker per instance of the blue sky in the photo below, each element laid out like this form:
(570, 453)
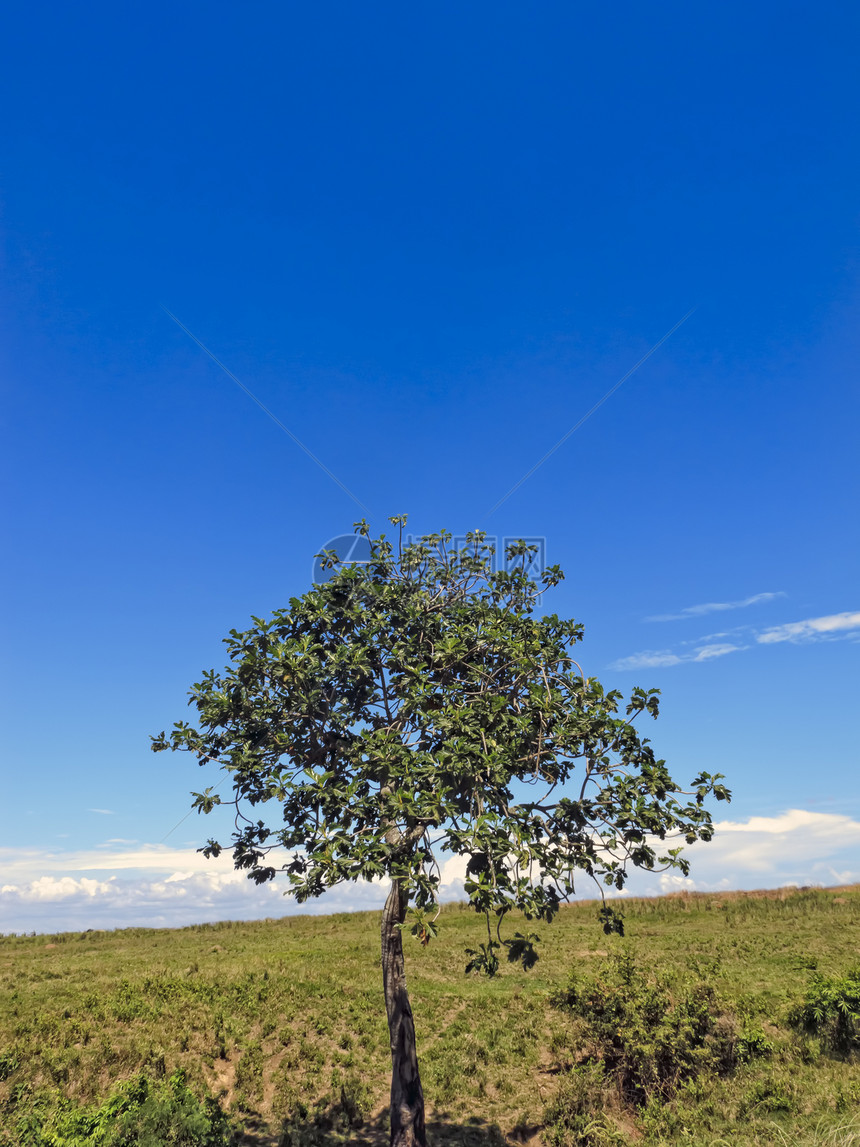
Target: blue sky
(428, 240)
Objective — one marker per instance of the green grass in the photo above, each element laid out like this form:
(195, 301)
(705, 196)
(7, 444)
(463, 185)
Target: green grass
(282, 1021)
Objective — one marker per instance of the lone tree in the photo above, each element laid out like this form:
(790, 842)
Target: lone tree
(414, 704)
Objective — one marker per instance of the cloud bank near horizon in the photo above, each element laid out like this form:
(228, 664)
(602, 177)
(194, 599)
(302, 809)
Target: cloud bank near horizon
(157, 886)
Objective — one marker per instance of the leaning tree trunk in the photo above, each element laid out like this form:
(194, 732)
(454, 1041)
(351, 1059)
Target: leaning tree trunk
(407, 1098)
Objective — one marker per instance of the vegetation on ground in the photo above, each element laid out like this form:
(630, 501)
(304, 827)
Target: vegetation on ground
(719, 1018)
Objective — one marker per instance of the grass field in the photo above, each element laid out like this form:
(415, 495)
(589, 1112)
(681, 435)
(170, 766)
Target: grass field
(282, 1022)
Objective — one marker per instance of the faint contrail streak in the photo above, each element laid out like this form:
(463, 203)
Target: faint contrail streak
(589, 413)
(266, 410)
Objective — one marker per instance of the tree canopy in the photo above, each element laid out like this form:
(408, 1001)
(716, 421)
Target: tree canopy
(422, 705)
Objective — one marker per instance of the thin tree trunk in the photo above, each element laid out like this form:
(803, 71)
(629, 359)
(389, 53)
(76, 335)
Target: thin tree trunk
(407, 1098)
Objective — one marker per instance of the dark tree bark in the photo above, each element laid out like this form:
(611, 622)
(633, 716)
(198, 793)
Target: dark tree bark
(407, 1098)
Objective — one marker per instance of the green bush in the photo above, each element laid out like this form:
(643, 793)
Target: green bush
(650, 1032)
(140, 1113)
(830, 1010)
(752, 1044)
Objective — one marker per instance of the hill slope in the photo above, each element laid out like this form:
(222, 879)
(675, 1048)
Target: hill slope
(282, 1021)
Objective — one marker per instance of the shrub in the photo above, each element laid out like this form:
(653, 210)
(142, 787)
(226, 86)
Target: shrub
(650, 1033)
(830, 1010)
(752, 1043)
(140, 1113)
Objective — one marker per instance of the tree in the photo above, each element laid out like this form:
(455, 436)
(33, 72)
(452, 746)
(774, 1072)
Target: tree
(417, 703)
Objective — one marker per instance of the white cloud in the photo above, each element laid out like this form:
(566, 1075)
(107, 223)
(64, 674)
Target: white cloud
(452, 875)
(796, 847)
(833, 627)
(662, 659)
(716, 636)
(709, 652)
(673, 882)
(648, 659)
(813, 629)
(103, 811)
(50, 889)
(151, 886)
(715, 607)
(146, 858)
